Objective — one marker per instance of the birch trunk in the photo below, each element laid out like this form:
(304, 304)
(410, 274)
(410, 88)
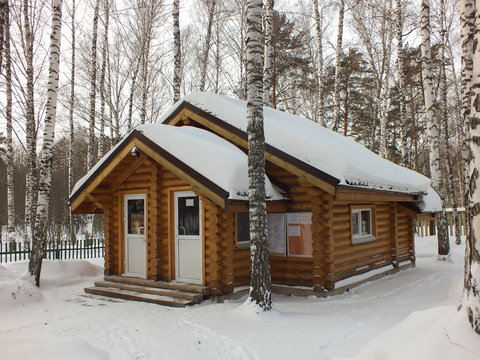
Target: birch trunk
(207, 45)
(132, 94)
(267, 57)
(177, 56)
(72, 126)
(472, 253)
(101, 140)
(40, 233)
(443, 94)
(432, 128)
(260, 281)
(93, 81)
(401, 82)
(338, 58)
(31, 138)
(467, 19)
(8, 117)
(318, 33)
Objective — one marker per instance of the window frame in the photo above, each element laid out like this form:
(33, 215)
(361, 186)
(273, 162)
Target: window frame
(363, 238)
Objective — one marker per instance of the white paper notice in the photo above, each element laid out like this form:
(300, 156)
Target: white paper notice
(294, 230)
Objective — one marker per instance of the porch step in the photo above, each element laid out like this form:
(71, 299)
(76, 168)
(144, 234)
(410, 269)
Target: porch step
(177, 294)
(193, 288)
(137, 296)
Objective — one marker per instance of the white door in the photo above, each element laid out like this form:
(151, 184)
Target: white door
(188, 237)
(135, 236)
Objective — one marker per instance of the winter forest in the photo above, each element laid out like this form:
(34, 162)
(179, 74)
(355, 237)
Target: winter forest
(77, 76)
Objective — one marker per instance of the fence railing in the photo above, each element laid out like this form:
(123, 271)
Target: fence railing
(428, 227)
(81, 249)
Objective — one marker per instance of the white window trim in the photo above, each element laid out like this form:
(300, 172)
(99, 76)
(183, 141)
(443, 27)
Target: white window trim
(365, 238)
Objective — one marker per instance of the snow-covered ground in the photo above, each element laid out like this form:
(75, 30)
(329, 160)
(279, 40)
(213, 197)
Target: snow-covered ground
(409, 315)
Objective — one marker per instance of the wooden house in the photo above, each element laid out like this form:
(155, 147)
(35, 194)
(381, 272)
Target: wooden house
(174, 199)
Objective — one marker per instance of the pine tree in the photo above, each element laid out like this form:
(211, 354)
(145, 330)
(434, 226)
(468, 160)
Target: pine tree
(40, 232)
(432, 127)
(260, 281)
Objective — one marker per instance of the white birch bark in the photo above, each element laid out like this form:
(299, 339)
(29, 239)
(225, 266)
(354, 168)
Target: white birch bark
(177, 56)
(432, 128)
(472, 253)
(72, 126)
(40, 233)
(31, 138)
(385, 81)
(260, 281)
(443, 95)
(467, 20)
(401, 83)
(267, 57)
(319, 38)
(101, 139)
(206, 47)
(93, 89)
(8, 116)
(338, 58)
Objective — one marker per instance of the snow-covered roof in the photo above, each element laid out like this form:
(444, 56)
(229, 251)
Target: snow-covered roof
(338, 156)
(430, 202)
(208, 154)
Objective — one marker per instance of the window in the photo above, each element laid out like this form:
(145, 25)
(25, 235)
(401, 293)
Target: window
(363, 224)
(289, 234)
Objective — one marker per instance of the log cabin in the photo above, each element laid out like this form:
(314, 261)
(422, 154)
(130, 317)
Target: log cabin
(174, 196)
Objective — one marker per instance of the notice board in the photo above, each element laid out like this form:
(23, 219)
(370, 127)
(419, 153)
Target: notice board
(276, 233)
(299, 234)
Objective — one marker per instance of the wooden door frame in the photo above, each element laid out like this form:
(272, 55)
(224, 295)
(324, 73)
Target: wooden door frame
(122, 242)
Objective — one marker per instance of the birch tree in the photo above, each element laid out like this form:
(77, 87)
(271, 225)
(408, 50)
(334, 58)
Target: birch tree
(260, 281)
(40, 233)
(6, 55)
(470, 12)
(71, 149)
(401, 87)
(267, 57)
(206, 47)
(432, 127)
(103, 70)
(93, 88)
(31, 138)
(318, 33)
(444, 117)
(338, 58)
(177, 56)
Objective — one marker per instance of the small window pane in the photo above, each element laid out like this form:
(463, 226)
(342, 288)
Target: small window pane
(355, 223)
(136, 216)
(188, 216)
(243, 228)
(366, 223)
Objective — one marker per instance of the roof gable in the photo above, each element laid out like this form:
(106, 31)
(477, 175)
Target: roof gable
(204, 160)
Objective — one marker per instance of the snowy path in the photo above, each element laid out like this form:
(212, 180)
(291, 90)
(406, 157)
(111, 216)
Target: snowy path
(59, 321)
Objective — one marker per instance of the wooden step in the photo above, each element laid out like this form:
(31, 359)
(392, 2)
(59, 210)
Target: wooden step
(195, 297)
(136, 296)
(199, 289)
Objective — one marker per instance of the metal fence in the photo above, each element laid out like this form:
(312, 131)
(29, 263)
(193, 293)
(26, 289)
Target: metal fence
(81, 249)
